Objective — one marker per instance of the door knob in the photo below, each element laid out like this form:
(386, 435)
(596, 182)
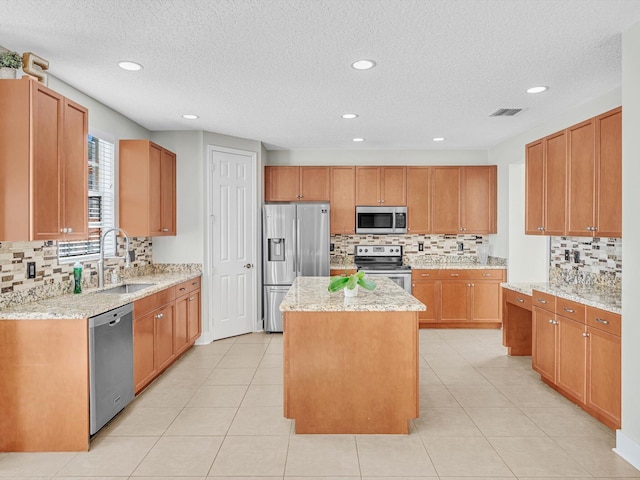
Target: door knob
(248, 265)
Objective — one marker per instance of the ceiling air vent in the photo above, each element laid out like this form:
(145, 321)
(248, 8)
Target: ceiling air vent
(506, 112)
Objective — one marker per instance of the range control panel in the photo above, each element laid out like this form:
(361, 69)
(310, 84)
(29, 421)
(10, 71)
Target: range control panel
(379, 250)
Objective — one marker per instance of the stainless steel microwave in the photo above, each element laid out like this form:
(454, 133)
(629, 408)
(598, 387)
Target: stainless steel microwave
(376, 220)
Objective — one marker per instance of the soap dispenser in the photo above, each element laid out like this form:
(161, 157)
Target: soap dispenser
(77, 277)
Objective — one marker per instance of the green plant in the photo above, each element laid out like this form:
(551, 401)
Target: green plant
(10, 60)
(350, 281)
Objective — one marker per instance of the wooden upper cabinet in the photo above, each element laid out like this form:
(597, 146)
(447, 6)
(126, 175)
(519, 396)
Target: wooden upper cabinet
(581, 182)
(381, 186)
(343, 200)
(608, 195)
(296, 184)
(43, 164)
(147, 189)
(555, 210)
(534, 188)
(418, 199)
(464, 200)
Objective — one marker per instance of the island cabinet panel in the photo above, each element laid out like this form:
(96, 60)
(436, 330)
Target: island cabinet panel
(351, 372)
(418, 200)
(343, 200)
(44, 375)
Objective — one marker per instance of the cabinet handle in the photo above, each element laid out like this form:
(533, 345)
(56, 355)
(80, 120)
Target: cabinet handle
(473, 284)
(486, 274)
(541, 300)
(569, 310)
(69, 230)
(165, 229)
(585, 334)
(521, 300)
(195, 284)
(381, 201)
(455, 274)
(159, 316)
(602, 321)
(182, 289)
(541, 229)
(191, 299)
(551, 321)
(413, 285)
(425, 274)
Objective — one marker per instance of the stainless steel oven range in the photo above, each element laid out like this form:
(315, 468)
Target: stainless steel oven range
(384, 260)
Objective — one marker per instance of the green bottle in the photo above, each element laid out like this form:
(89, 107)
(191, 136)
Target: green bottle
(77, 277)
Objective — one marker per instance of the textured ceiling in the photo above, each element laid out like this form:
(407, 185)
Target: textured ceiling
(279, 70)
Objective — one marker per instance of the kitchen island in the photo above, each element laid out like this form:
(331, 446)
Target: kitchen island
(350, 364)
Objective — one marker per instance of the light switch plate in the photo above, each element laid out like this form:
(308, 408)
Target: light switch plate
(31, 269)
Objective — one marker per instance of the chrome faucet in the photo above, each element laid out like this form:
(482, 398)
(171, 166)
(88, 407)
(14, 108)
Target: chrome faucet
(101, 261)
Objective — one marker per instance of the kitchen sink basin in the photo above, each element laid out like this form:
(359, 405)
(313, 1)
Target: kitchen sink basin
(127, 288)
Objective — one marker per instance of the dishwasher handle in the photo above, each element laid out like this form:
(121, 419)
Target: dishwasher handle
(115, 322)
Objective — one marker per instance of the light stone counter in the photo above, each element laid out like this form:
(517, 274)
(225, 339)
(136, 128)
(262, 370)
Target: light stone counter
(608, 300)
(91, 302)
(310, 294)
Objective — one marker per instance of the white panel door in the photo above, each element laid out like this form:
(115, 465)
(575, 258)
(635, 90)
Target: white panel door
(233, 243)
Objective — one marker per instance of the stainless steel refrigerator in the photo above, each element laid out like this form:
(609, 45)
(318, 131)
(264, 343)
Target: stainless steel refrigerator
(296, 243)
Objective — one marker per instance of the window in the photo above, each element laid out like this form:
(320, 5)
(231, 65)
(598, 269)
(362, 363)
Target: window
(101, 205)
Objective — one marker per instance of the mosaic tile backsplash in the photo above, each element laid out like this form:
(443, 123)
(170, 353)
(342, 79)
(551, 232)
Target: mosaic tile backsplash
(55, 279)
(599, 261)
(435, 247)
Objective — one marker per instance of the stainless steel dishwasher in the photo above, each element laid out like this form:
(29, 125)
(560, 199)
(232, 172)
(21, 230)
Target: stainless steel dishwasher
(110, 364)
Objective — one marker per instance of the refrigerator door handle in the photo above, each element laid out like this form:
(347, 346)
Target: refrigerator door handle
(295, 249)
(298, 249)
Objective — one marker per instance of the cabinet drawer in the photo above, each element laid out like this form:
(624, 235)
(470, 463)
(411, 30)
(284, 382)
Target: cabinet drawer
(187, 286)
(569, 309)
(447, 274)
(519, 299)
(543, 300)
(145, 305)
(424, 274)
(489, 274)
(606, 321)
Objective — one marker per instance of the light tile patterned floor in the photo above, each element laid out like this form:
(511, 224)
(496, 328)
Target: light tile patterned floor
(217, 413)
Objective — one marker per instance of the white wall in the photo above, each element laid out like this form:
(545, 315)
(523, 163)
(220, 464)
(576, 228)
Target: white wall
(377, 157)
(628, 438)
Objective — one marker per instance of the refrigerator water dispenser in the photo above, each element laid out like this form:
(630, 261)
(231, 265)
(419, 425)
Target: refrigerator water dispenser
(276, 250)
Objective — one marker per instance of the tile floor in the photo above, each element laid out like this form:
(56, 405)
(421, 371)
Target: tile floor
(218, 413)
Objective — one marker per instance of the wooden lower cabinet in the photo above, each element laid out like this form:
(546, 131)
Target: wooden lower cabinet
(164, 327)
(603, 379)
(462, 298)
(571, 349)
(516, 322)
(543, 355)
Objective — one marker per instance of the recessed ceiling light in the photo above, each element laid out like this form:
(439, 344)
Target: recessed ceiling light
(438, 139)
(131, 66)
(190, 116)
(538, 89)
(363, 64)
(350, 115)
(358, 139)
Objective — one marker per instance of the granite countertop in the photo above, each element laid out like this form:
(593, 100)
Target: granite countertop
(310, 294)
(608, 300)
(90, 302)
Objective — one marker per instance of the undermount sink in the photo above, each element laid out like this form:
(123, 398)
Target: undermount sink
(127, 288)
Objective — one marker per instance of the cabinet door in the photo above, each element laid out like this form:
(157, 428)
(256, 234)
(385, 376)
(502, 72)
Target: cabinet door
(281, 184)
(155, 190)
(486, 301)
(164, 336)
(609, 172)
(181, 333)
(571, 349)
(46, 173)
(543, 355)
(314, 184)
(418, 200)
(143, 348)
(75, 168)
(534, 189)
(195, 325)
(604, 374)
(479, 199)
(167, 193)
(393, 186)
(454, 304)
(445, 203)
(581, 181)
(343, 200)
(425, 291)
(555, 184)
(367, 186)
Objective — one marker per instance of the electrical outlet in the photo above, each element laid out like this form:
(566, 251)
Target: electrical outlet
(460, 246)
(31, 269)
(576, 256)
(567, 256)
(421, 246)
(332, 247)
(132, 255)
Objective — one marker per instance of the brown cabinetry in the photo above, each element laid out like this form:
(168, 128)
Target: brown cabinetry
(418, 200)
(381, 186)
(459, 298)
(464, 200)
(343, 200)
(296, 184)
(147, 189)
(188, 324)
(43, 164)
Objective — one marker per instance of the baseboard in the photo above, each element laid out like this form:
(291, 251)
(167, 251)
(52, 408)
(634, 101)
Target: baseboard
(628, 449)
